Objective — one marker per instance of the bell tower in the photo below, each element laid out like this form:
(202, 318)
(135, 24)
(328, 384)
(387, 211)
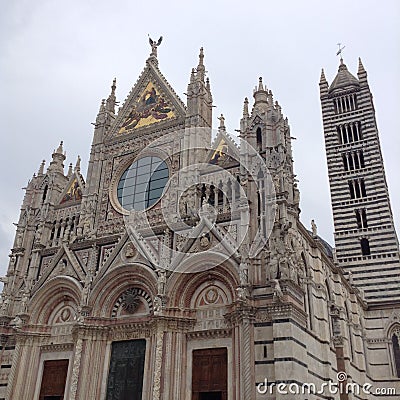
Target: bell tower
(366, 243)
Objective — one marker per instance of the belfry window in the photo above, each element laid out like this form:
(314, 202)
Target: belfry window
(357, 188)
(396, 353)
(365, 249)
(353, 160)
(349, 133)
(345, 103)
(361, 217)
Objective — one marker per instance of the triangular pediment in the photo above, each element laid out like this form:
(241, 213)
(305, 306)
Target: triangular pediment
(73, 190)
(63, 263)
(151, 104)
(224, 151)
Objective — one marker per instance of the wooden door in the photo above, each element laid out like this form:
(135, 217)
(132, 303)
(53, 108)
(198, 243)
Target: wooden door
(53, 380)
(209, 375)
(125, 378)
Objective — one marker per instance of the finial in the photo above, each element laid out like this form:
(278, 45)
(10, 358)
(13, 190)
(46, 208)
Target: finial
(154, 46)
(246, 107)
(69, 174)
(200, 68)
(221, 122)
(201, 56)
(60, 148)
(110, 103)
(78, 164)
(41, 168)
(260, 84)
(208, 84)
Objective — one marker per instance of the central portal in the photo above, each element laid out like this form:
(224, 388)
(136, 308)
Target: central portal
(125, 379)
(209, 375)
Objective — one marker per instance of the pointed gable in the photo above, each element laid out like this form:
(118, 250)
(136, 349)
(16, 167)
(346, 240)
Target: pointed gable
(73, 190)
(151, 101)
(224, 151)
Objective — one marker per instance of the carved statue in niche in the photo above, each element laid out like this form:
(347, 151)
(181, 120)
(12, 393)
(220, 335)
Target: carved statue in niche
(273, 264)
(38, 234)
(278, 294)
(86, 289)
(242, 294)
(161, 281)
(283, 267)
(5, 304)
(26, 294)
(157, 305)
(243, 274)
(19, 239)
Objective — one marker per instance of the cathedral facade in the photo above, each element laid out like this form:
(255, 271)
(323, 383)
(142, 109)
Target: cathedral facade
(178, 269)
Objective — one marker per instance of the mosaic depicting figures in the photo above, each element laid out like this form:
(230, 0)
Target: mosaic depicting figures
(220, 152)
(74, 193)
(150, 108)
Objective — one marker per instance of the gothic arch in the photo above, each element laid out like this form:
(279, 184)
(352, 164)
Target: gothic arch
(111, 287)
(184, 287)
(47, 299)
(394, 348)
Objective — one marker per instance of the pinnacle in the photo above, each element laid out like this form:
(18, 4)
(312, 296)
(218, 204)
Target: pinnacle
(69, 174)
(60, 148)
(260, 84)
(246, 107)
(361, 69)
(78, 164)
(322, 79)
(41, 168)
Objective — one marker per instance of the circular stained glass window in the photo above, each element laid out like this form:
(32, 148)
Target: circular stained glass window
(142, 184)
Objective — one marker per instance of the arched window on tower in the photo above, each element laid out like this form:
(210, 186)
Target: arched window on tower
(365, 249)
(46, 188)
(259, 139)
(396, 352)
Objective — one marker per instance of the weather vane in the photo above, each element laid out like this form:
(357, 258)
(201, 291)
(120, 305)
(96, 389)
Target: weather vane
(340, 50)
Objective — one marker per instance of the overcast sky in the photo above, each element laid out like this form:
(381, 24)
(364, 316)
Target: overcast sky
(58, 59)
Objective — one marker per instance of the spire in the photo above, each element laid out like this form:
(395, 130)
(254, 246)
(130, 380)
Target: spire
(344, 79)
(362, 73)
(323, 84)
(58, 158)
(111, 100)
(260, 94)
(200, 68)
(41, 168)
(246, 108)
(69, 174)
(78, 164)
(322, 80)
(260, 84)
